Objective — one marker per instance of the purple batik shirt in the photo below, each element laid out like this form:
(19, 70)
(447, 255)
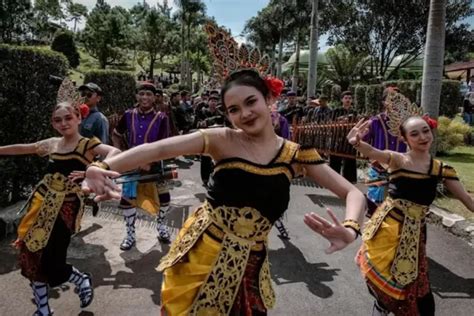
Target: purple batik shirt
(141, 128)
(280, 123)
(380, 138)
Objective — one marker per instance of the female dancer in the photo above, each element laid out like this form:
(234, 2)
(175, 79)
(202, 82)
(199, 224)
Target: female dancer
(218, 264)
(55, 208)
(392, 257)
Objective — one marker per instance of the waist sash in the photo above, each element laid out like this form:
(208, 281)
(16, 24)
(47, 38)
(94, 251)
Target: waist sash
(54, 189)
(241, 230)
(405, 264)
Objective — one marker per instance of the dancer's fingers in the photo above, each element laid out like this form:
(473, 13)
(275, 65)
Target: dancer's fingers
(333, 217)
(313, 224)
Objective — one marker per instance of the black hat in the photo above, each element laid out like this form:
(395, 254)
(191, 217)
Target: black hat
(159, 92)
(146, 86)
(291, 94)
(214, 97)
(91, 87)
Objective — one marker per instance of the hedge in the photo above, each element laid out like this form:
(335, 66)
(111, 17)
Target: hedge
(27, 97)
(373, 97)
(451, 98)
(359, 98)
(118, 89)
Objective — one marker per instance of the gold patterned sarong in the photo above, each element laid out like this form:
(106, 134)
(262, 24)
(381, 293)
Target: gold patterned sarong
(36, 226)
(404, 268)
(201, 274)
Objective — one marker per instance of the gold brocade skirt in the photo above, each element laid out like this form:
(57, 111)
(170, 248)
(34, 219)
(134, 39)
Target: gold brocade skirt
(182, 281)
(211, 271)
(376, 259)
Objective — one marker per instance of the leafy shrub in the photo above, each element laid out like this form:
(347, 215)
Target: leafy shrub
(359, 98)
(373, 97)
(118, 89)
(326, 90)
(64, 43)
(336, 93)
(27, 97)
(451, 98)
(450, 134)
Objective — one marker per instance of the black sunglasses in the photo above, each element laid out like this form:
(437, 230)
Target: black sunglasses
(87, 94)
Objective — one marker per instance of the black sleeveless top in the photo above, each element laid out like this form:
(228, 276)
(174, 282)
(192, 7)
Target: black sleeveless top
(419, 187)
(65, 163)
(237, 182)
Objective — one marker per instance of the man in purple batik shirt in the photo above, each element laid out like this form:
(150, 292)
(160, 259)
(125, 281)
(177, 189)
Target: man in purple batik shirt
(142, 124)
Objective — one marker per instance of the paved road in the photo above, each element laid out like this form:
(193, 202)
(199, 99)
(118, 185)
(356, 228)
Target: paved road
(307, 281)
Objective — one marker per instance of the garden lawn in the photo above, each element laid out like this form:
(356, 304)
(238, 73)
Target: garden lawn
(462, 159)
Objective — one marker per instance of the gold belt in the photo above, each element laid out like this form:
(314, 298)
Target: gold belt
(241, 231)
(405, 264)
(58, 190)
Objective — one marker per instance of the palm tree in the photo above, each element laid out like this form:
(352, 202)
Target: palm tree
(434, 57)
(313, 51)
(300, 17)
(190, 14)
(344, 66)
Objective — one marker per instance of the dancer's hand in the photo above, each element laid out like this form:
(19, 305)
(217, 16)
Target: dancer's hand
(99, 181)
(358, 131)
(338, 235)
(77, 175)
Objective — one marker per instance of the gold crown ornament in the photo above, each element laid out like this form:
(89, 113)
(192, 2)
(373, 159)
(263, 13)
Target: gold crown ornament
(399, 109)
(68, 93)
(227, 56)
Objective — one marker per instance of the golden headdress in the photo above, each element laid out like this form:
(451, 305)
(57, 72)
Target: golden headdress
(227, 56)
(68, 93)
(399, 109)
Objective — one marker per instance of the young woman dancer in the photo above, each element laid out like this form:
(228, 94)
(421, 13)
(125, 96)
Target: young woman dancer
(393, 256)
(55, 208)
(218, 264)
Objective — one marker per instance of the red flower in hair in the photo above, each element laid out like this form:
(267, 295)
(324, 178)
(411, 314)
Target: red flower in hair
(84, 110)
(432, 123)
(275, 85)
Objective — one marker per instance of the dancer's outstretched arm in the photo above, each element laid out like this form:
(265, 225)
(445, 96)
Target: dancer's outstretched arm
(97, 180)
(355, 136)
(338, 235)
(457, 189)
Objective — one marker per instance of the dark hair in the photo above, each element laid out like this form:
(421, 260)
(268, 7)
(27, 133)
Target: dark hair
(346, 93)
(174, 94)
(245, 77)
(184, 93)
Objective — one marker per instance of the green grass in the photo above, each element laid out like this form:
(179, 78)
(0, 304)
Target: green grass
(462, 159)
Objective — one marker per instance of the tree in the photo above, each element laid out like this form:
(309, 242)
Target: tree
(300, 18)
(152, 34)
(344, 66)
(14, 20)
(191, 13)
(459, 43)
(64, 43)
(434, 56)
(106, 33)
(313, 51)
(76, 12)
(385, 29)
